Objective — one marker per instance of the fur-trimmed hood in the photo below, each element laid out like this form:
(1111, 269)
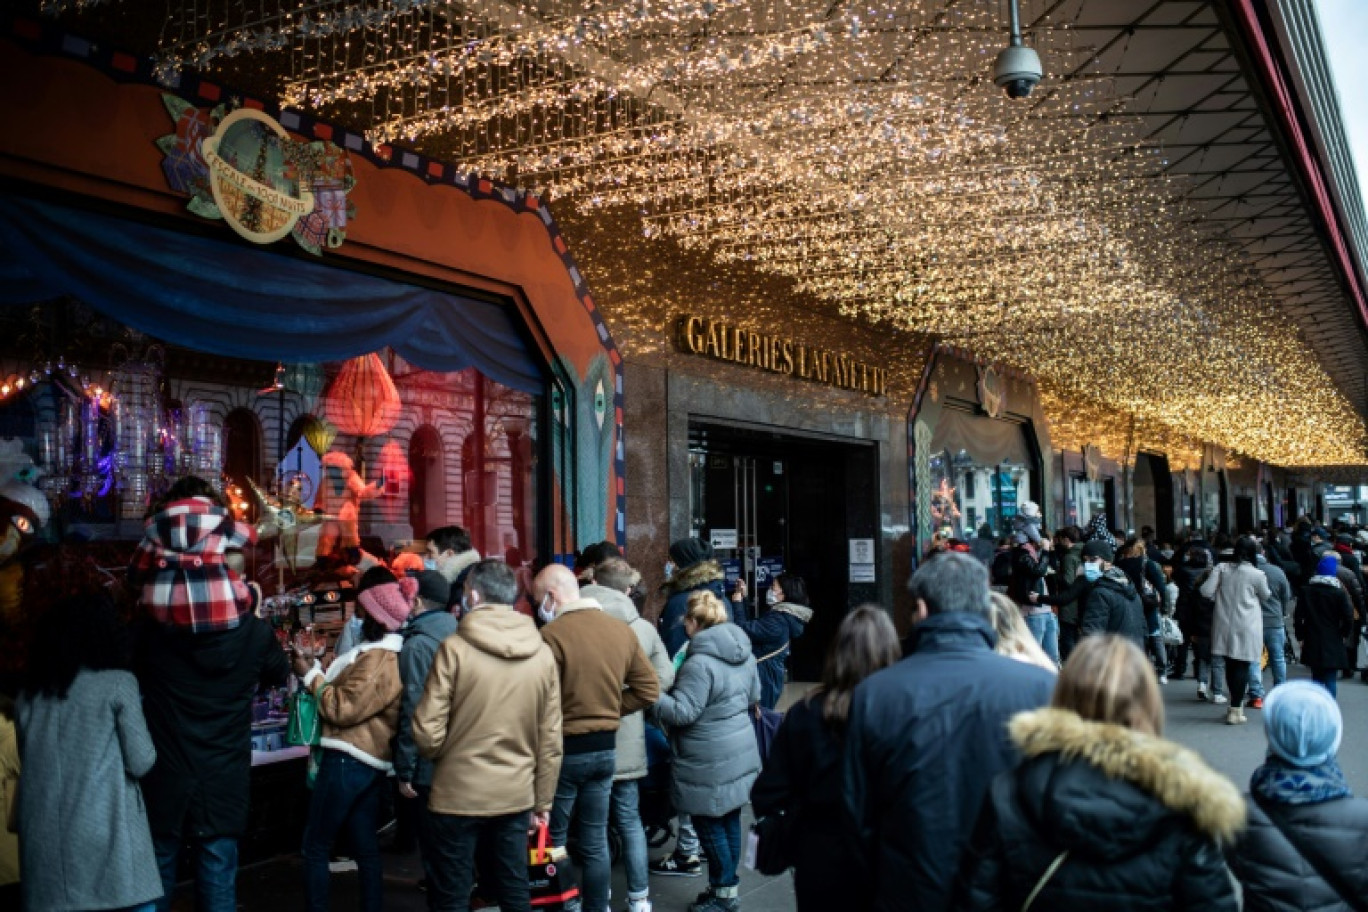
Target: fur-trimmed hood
(1105, 821)
(693, 577)
(801, 612)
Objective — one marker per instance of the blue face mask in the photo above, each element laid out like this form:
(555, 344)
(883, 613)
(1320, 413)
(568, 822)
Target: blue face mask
(1092, 571)
(429, 563)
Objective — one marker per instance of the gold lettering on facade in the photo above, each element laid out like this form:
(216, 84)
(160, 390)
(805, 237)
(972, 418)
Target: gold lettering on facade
(722, 342)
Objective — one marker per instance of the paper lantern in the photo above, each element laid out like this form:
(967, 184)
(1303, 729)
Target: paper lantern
(363, 401)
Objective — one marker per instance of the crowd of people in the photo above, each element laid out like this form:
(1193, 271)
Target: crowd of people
(1007, 753)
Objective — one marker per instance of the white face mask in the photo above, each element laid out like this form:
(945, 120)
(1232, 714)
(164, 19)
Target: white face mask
(546, 610)
(669, 570)
(772, 597)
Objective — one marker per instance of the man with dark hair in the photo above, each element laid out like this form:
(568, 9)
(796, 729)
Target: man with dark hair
(451, 554)
(591, 557)
(490, 722)
(926, 737)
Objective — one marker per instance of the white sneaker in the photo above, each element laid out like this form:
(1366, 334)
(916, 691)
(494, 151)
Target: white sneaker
(638, 905)
(1201, 690)
(1163, 679)
(1220, 698)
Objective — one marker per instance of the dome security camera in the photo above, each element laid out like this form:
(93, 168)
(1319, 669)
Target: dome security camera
(1017, 70)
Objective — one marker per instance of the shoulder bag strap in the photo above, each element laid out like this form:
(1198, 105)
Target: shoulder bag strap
(1044, 879)
(1326, 871)
(777, 652)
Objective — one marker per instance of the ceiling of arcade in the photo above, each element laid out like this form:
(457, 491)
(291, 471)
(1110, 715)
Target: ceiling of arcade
(1130, 235)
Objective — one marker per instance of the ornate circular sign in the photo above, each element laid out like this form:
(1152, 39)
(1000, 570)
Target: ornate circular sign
(251, 179)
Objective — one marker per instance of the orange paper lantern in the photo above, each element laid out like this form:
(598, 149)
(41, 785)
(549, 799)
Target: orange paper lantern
(363, 401)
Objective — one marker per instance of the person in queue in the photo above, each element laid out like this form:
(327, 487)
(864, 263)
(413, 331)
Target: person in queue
(1306, 847)
(772, 634)
(802, 777)
(199, 662)
(84, 841)
(1014, 638)
(358, 704)
(1277, 609)
(1239, 589)
(424, 632)
(1030, 566)
(924, 739)
(450, 553)
(707, 715)
(1101, 804)
(1323, 619)
(604, 675)
(1147, 577)
(1069, 552)
(614, 581)
(490, 722)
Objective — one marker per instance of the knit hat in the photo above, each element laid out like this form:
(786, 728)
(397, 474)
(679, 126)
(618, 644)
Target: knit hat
(385, 598)
(432, 586)
(689, 551)
(1099, 548)
(1098, 531)
(1329, 564)
(1303, 723)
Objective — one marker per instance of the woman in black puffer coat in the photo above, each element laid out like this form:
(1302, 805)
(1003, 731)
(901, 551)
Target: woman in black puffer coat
(1103, 810)
(1306, 849)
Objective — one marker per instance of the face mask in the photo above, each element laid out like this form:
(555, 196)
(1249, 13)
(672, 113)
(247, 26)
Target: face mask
(669, 570)
(771, 597)
(429, 563)
(465, 604)
(1092, 571)
(546, 610)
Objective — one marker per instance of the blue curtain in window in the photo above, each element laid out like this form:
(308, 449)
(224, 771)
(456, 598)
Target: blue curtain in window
(247, 302)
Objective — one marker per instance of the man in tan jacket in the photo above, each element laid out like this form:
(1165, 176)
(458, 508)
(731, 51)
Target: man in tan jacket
(604, 676)
(490, 721)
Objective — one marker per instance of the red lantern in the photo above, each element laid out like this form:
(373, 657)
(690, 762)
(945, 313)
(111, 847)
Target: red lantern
(363, 401)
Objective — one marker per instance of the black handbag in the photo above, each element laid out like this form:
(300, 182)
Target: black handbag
(774, 843)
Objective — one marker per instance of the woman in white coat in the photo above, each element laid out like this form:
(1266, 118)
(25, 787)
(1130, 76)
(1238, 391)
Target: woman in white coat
(1239, 590)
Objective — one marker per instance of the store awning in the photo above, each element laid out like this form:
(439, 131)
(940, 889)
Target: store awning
(229, 299)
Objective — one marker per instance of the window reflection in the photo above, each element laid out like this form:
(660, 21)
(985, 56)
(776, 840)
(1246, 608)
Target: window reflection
(966, 495)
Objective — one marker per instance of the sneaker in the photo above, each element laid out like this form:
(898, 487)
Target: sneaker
(638, 905)
(678, 866)
(1201, 690)
(1234, 716)
(709, 901)
(341, 865)
(1163, 679)
(1219, 699)
(1256, 703)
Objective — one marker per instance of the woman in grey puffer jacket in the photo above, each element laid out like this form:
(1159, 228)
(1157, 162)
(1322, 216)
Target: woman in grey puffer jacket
(716, 758)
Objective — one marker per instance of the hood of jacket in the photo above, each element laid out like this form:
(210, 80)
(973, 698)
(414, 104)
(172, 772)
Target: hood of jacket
(801, 613)
(195, 526)
(459, 564)
(695, 576)
(501, 632)
(437, 625)
(951, 630)
(726, 642)
(1080, 798)
(1325, 581)
(614, 604)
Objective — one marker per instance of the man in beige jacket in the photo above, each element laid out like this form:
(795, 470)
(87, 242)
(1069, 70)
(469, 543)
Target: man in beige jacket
(490, 721)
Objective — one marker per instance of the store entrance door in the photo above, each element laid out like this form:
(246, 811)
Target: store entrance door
(770, 503)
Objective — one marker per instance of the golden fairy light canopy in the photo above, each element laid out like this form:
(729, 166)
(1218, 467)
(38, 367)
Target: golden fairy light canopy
(1103, 236)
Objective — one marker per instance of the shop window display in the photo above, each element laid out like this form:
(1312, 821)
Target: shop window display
(965, 495)
(331, 460)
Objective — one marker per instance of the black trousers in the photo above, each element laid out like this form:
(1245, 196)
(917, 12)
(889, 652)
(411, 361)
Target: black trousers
(1237, 679)
(452, 875)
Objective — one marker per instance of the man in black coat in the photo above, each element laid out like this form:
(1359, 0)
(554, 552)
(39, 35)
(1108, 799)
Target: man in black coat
(926, 737)
(1112, 605)
(197, 697)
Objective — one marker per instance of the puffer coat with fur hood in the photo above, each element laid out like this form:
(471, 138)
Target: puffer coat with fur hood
(706, 574)
(1142, 821)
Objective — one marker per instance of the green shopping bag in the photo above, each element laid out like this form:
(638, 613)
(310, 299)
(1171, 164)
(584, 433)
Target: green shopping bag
(304, 727)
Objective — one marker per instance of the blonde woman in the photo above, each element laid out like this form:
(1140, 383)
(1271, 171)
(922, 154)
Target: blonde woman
(1102, 805)
(716, 760)
(1014, 638)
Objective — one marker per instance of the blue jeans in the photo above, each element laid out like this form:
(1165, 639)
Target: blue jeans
(625, 812)
(1327, 678)
(721, 838)
(453, 840)
(346, 797)
(1275, 641)
(216, 864)
(1207, 666)
(582, 792)
(1045, 628)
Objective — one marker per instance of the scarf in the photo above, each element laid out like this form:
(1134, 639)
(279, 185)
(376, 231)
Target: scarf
(1279, 782)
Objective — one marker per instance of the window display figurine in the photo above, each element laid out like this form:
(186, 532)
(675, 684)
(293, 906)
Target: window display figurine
(340, 494)
(287, 517)
(23, 512)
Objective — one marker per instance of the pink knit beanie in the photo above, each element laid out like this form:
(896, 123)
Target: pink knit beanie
(389, 603)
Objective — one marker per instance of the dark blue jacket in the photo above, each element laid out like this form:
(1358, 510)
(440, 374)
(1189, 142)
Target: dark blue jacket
(702, 575)
(925, 739)
(770, 635)
(423, 636)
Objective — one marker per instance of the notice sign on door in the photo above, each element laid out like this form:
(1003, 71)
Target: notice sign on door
(722, 538)
(862, 560)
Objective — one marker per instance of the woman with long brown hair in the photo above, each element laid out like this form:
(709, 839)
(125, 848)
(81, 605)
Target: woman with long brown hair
(802, 777)
(1102, 805)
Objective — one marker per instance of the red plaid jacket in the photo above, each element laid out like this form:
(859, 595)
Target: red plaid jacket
(179, 565)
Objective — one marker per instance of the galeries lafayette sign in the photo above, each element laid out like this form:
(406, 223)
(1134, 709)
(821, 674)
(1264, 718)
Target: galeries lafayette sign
(722, 342)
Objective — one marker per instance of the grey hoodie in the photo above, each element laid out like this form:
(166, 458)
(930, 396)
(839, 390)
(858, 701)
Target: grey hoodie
(708, 717)
(631, 734)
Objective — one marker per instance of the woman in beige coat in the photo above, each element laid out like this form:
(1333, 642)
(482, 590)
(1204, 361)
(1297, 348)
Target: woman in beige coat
(1239, 590)
(358, 703)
